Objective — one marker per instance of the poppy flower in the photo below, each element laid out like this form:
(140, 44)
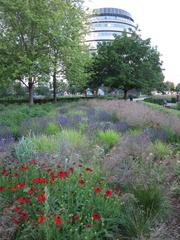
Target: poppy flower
(40, 180)
(41, 198)
(57, 220)
(82, 182)
(108, 193)
(31, 191)
(23, 200)
(5, 172)
(33, 161)
(16, 174)
(97, 190)
(62, 174)
(15, 220)
(96, 216)
(41, 219)
(24, 215)
(2, 189)
(24, 167)
(21, 185)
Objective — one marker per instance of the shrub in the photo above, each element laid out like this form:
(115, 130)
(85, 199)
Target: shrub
(25, 149)
(108, 138)
(151, 199)
(52, 129)
(161, 149)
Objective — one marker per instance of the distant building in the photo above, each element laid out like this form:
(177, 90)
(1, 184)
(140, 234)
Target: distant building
(105, 23)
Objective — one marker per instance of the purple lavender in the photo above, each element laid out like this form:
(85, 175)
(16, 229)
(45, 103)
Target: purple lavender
(121, 126)
(155, 134)
(6, 137)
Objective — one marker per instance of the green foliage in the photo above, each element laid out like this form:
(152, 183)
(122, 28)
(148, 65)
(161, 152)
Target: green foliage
(45, 144)
(108, 138)
(75, 138)
(13, 115)
(52, 129)
(151, 199)
(127, 62)
(141, 209)
(161, 149)
(25, 149)
(40, 39)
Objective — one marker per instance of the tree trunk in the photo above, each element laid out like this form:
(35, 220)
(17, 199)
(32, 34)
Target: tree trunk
(30, 89)
(125, 94)
(54, 87)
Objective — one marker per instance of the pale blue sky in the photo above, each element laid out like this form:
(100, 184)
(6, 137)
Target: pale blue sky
(158, 20)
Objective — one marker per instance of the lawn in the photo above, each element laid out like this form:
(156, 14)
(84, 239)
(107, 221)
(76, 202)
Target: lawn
(89, 170)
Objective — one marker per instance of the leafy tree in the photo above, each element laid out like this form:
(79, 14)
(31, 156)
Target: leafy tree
(127, 62)
(178, 87)
(35, 37)
(169, 86)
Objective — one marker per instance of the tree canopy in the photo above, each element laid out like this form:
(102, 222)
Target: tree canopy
(127, 62)
(37, 38)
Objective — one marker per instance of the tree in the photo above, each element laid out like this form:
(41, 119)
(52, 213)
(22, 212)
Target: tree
(178, 87)
(128, 62)
(34, 37)
(169, 86)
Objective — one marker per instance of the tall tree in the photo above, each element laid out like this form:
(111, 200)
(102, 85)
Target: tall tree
(127, 62)
(178, 87)
(169, 86)
(34, 37)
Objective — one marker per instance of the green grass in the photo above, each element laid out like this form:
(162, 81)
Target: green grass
(108, 138)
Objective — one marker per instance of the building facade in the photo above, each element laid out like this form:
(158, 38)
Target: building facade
(105, 23)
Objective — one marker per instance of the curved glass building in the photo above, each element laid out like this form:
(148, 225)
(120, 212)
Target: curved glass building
(105, 23)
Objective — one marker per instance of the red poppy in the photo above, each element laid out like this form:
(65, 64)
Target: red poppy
(41, 198)
(89, 170)
(14, 188)
(21, 185)
(62, 174)
(5, 172)
(40, 180)
(18, 209)
(33, 161)
(82, 182)
(24, 215)
(97, 190)
(16, 174)
(96, 216)
(23, 200)
(24, 167)
(31, 191)
(57, 220)
(108, 193)
(15, 220)
(2, 189)
(41, 219)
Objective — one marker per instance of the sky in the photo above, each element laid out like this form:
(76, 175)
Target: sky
(158, 20)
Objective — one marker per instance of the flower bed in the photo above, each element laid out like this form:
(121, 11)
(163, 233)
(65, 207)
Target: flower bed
(47, 203)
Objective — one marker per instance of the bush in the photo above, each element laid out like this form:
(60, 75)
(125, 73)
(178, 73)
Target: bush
(25, 149)
(161, 149)
(52, 129)
(108, 138)
(150, 199)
